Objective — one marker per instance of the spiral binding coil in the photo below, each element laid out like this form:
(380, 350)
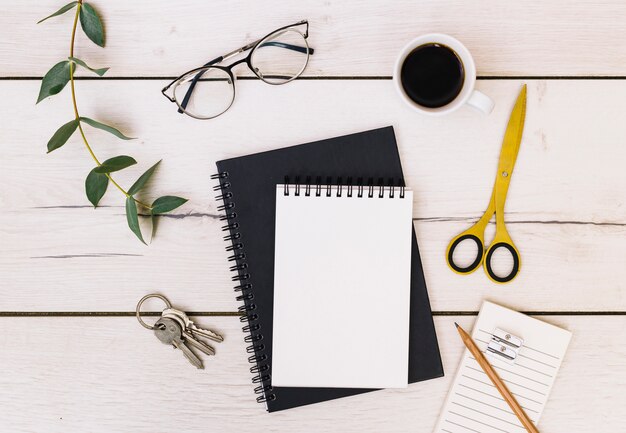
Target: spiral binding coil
(254, 337)
(370, 190)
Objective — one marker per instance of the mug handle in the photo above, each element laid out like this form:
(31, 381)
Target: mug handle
(481, 102)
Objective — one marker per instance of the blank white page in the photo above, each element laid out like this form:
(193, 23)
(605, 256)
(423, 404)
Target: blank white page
(341, 289)
(474, 404)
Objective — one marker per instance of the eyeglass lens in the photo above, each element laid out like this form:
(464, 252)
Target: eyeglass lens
(280, 57)
(212, 94)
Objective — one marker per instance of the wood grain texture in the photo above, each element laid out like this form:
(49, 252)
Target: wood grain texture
(565, 209)
(109, 374)
(351, 38)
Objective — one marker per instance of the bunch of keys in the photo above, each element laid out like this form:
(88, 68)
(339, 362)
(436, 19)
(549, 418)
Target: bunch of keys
(176, 329)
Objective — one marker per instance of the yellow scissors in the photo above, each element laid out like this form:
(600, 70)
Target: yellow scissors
(476, 233)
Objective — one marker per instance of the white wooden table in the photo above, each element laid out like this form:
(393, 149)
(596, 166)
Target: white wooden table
(72, 357)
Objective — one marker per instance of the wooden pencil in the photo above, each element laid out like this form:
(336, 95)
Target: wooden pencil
(493, 376)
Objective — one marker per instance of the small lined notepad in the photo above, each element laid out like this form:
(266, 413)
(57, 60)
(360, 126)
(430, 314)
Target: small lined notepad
(474, 404)
(342, 287)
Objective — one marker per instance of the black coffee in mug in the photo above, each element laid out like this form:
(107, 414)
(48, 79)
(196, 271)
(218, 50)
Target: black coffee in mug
(432, 75)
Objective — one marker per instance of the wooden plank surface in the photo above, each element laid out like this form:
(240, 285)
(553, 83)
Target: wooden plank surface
(352, 38)
(565, 208)
(109, 374)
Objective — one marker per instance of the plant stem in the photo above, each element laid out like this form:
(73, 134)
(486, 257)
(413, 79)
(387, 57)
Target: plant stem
(77, 116)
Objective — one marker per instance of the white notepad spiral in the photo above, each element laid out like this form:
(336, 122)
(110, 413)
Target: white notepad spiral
(360, 189)
(341, 251)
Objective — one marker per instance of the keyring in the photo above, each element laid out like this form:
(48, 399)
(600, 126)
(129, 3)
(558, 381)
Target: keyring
(142, 300)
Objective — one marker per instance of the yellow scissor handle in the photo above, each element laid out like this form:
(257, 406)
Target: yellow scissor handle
(475, 233)
(502, 240)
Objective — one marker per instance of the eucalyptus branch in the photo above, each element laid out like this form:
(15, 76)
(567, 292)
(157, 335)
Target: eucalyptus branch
(77, 116)
(98, 179)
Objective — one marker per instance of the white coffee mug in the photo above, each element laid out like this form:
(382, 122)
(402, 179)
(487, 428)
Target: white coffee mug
(468, 94)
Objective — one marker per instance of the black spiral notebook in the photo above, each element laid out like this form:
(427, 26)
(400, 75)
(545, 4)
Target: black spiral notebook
(248, 191)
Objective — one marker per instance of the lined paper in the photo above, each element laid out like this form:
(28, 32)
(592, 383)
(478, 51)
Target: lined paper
(474, 404)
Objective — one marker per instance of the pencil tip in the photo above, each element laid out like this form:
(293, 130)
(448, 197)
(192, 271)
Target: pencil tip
(456, 324)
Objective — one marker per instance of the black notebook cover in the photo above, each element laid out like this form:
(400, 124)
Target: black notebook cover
(248, 187)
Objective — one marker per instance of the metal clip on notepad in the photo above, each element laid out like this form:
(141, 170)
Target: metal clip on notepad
(504, 346)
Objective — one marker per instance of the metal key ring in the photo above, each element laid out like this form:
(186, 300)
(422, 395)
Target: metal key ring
(144, 299)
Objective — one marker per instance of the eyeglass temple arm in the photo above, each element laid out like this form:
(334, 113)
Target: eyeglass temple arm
(219, 59)
(193, 84)
(199, 75)
(297, 48)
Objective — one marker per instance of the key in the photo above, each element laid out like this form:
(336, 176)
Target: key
(201, 346)
(169, 315)
(169, 332)
(189, 338)
(191, 327)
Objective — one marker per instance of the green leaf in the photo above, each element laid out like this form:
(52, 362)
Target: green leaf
(131, 217)
(95, 186)
(116, 163)
(167, 203)
(154, 222)
(91, 24)
(100, 71)
(142, 179)
(61, 11)
(105, 127)
(62, 135)
(55, 80)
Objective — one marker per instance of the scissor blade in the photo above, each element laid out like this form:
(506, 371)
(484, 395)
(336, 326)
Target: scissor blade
(513, 134)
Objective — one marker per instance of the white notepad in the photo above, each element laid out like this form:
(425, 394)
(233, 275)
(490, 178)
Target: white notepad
(474, 404)
(342, 287)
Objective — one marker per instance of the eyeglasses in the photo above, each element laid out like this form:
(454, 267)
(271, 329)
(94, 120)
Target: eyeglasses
(208, 91)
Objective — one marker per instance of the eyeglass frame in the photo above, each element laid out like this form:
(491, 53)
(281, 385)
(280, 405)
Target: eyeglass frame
(228, 68)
